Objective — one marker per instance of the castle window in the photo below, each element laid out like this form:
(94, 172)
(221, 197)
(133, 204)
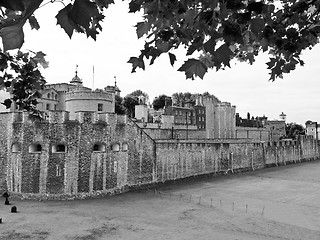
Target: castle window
(115, 147)
(100, 107)
(56, 96)
(15, 148)
(55, 107)
(48, 95)
(48, 106)
(98, 147)
(124, 147)
(58, 170)
(59, 148)
(35, 148)
(115, 166)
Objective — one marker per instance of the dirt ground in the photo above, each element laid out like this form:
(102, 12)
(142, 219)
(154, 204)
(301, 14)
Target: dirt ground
(273, 203)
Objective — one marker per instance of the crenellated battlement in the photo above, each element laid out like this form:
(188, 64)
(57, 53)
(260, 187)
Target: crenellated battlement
(88, 95)
(58, 116)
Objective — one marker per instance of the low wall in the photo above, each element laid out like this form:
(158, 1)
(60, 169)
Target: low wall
(181, 159)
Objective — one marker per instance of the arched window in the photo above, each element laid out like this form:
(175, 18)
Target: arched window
(115, 147)
(15, 148)
(99, 147)
(59, 148)
(35, 148)
(56, 96)
(124, 147)
(48, 95)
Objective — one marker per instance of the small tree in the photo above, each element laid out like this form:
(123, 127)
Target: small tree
(129, 103)
(293, 130)
(119, 108)
(138, 93)
(159, 102)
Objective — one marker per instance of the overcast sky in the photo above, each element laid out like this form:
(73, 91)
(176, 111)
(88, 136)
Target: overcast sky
(244, 85)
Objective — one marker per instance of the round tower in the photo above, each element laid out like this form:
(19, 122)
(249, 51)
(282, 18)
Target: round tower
(84, 99)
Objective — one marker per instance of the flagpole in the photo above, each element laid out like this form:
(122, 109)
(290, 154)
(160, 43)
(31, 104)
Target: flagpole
(93, 77)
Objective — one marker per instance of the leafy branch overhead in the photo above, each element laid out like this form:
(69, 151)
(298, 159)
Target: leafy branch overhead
(214, 32)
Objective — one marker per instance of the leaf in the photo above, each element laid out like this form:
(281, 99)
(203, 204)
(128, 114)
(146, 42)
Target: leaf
(82, 11)
(16, 5)
(7, 103)
(162, 46)
(142, 28)
(257, 25)
(172, 58)
(222, 55)
(41, 60)
(34, 23)
(104, 3)
(29, 7)
(135, 6)
(193, 67)
(232, 32)
(210, 45)
(196, 45)
(64, 21)
(12, 36)
(136, 62)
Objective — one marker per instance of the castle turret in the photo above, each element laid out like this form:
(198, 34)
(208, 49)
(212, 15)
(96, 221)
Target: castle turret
(283, 117)
(76, 80)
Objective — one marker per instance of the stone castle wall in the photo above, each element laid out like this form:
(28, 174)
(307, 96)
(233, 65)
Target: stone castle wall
(175, 133)
(261, 134)
(181, 159)
(105, 153)
(122, 157)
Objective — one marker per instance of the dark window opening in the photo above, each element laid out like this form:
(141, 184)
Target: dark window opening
(15, 148)
(99, 148)
(100, 107)
(59, 148)
(34, 148)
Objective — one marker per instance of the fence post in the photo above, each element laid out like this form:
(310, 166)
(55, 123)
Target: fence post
(252, 161)
(231, 159)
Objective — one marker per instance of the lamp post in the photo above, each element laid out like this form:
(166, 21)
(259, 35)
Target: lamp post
(316, 123)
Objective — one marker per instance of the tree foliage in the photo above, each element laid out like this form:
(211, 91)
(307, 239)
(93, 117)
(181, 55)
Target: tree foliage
(138, 93)
(293, 130)
(129, 102)
(213, 31)
(221, 30)
(20, 73)
(159, 102)
(119, 108)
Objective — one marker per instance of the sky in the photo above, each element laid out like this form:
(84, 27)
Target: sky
(243, 85)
